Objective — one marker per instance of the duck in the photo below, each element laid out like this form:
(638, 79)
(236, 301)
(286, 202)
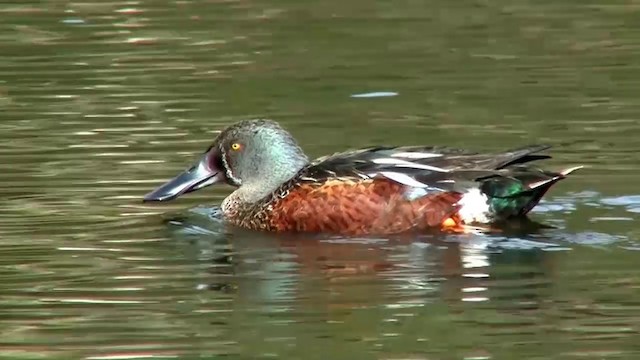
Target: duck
(378, 190)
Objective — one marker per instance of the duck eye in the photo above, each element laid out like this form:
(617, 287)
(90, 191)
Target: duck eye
(236, 146)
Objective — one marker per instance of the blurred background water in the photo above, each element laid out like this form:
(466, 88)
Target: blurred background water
(103, 100)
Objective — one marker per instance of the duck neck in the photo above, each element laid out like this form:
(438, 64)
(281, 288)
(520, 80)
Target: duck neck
(264, 184)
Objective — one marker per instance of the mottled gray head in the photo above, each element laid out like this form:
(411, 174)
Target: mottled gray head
(255, 151)
(256, 154)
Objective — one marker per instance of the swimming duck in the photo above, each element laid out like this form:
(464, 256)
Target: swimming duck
(378, 190)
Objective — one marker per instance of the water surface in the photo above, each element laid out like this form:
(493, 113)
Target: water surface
(102, 101)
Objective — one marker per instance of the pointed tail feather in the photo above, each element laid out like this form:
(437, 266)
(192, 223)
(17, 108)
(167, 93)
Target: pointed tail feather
(548, 182)
(568, 171)
(539, 189)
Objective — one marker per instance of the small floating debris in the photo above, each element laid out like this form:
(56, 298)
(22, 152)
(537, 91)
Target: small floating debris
(129, 11)
(142, 40)
(375, 94)
(73, 21)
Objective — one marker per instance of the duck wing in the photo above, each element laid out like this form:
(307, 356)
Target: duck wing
(426, 163)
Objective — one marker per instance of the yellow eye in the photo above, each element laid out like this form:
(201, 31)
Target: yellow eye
(236, 146)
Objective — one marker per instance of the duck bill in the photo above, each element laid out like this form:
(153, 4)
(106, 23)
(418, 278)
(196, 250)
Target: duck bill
(199, 176)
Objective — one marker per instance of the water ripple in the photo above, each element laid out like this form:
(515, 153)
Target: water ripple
(102, 101)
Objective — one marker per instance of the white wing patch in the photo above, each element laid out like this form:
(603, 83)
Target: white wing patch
(407, 164)
(415, 189)
(415, 155)
(400, 178)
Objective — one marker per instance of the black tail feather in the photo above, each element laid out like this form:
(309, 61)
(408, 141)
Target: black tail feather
(523, 155)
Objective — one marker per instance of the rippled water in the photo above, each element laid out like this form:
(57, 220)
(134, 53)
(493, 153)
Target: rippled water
(102, 101)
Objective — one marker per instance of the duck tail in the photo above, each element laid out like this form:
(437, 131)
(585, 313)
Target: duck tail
(519, 192)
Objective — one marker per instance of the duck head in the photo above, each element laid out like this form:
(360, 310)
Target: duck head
(255, 155)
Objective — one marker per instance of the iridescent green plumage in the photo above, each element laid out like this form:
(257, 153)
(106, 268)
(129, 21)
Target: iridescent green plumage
(517, 194)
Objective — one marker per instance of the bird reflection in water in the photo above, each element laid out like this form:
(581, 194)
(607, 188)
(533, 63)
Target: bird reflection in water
(404, 270)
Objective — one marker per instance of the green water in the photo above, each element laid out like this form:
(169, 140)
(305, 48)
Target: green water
(101, 101)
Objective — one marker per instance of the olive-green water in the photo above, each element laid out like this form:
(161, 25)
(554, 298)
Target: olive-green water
(101, 101)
